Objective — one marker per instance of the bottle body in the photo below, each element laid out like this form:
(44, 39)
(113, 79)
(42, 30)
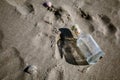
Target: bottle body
(89, 48)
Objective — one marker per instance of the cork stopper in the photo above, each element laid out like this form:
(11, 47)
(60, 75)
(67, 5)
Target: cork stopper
(76, 30)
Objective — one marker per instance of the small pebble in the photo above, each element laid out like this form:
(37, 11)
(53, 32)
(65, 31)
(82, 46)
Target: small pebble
(47, 4)
(31, 69)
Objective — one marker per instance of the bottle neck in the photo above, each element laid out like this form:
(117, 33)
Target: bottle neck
(77, 31)
(79, 34)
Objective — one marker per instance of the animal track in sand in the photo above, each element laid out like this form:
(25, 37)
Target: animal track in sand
(87, 20)
(105, 25)
(85, 15)
(29, 6)
(60, 14)
(103, 21)
(68, 49)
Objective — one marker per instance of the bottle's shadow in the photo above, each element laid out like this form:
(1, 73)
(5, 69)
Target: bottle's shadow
(68, 48)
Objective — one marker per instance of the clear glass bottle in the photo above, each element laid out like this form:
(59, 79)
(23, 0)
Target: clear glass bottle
(88, 46)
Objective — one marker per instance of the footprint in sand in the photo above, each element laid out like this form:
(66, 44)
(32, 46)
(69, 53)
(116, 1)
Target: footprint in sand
(11, 64)
(67, 48)
(24, 8)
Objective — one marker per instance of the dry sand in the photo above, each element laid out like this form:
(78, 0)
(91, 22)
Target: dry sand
(28, 35)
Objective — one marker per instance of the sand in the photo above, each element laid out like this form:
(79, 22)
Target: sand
(29, 34)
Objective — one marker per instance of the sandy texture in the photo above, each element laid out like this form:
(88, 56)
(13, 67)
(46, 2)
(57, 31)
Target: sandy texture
(29, 34)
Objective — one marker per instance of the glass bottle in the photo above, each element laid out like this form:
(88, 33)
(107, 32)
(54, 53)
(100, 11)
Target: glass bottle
(88, 46)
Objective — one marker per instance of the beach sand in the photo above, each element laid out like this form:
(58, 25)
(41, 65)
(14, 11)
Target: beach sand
(29, 34)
